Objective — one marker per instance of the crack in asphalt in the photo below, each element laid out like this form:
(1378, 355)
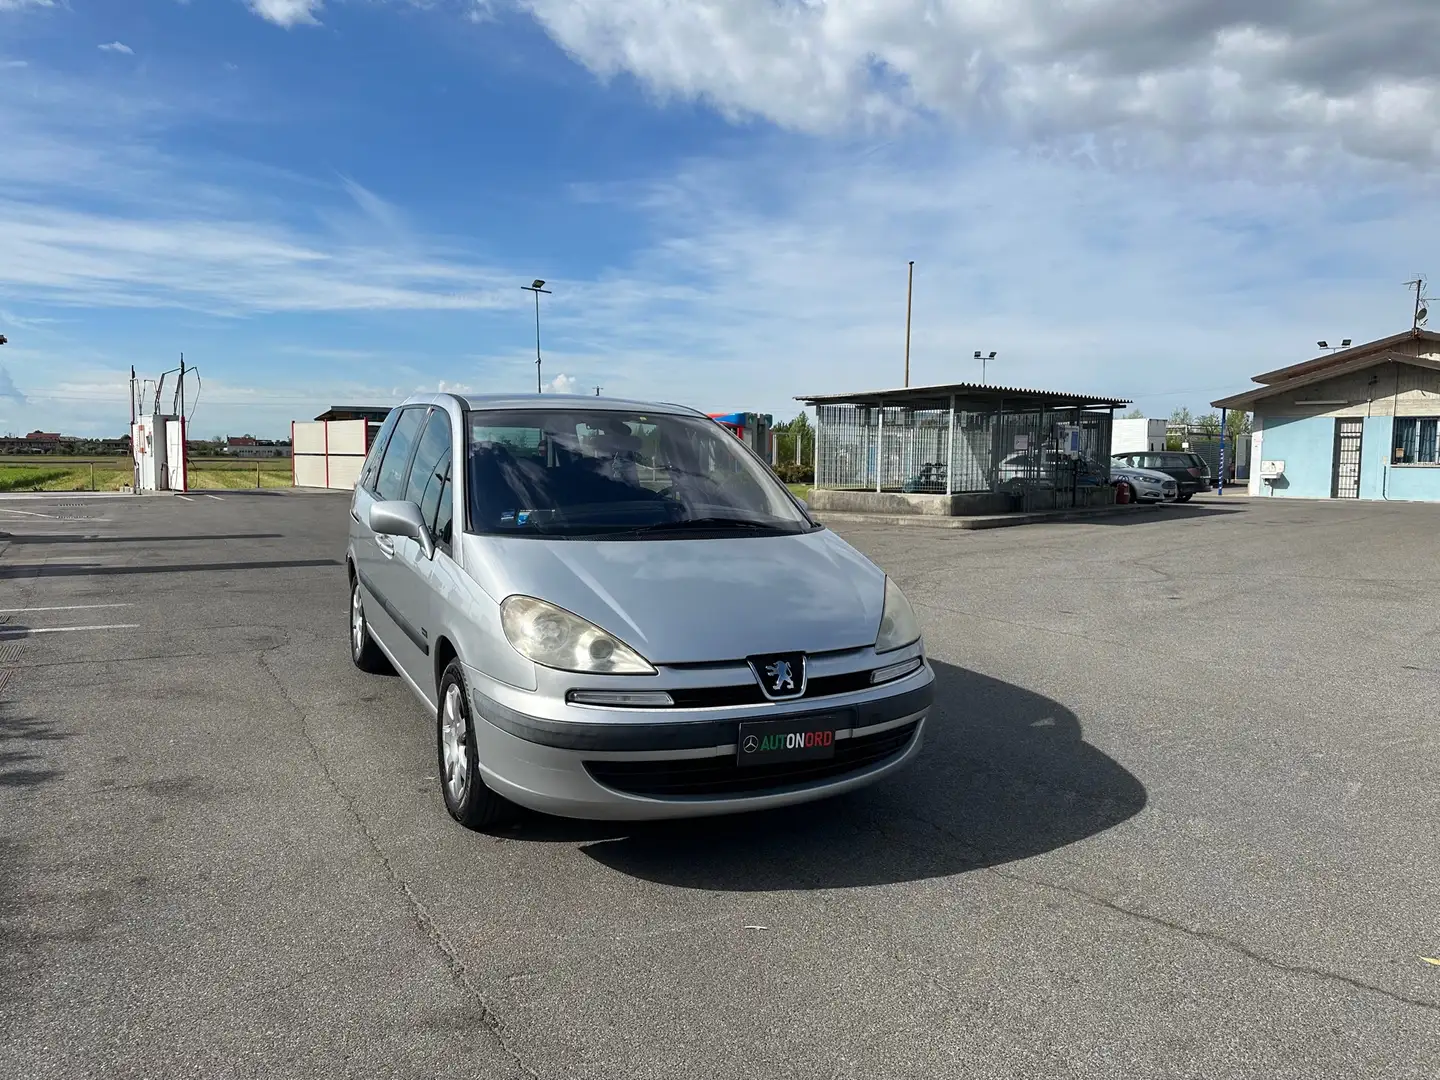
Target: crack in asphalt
(449, 955)
(1219, 939)
(1209, 936)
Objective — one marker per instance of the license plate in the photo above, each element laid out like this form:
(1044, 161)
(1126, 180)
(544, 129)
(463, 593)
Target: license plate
(766, 742)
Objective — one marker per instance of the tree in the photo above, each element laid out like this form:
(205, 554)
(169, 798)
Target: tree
(791, 432)
(1181, 416)
(1238, 424)
(1209, 423)
(1135, 414)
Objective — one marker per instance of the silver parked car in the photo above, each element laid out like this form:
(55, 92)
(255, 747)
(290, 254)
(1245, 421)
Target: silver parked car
(1146, 485)
(615, 610)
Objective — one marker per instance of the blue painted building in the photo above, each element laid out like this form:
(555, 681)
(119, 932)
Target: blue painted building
(1360, 423)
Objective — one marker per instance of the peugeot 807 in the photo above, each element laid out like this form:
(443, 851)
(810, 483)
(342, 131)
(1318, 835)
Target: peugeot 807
(615, 610)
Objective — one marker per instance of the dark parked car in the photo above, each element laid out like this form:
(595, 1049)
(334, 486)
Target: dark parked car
(1190, 471)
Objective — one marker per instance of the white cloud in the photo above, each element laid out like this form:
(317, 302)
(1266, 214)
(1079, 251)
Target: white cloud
(1303, 76)
(117, 47)
(561, 384)
(287, 13)
(13, 64)
(16, 5)
(225, 266)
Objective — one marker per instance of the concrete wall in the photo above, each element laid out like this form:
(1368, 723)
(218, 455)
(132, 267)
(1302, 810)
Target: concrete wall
(1307, 446)
(963, 505)
(888, 502)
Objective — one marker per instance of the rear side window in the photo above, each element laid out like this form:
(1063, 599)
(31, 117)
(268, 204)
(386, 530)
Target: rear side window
(395, 465)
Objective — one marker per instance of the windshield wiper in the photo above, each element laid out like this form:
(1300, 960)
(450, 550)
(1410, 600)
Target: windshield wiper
(715, 523)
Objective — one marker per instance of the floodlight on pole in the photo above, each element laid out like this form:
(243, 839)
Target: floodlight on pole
(1344, 344)
(984, 361)
(537, 287)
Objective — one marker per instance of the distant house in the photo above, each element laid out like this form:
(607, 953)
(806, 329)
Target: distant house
(37, 442)
(247, 446)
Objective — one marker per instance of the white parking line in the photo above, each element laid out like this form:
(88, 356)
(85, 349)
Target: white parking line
(217, 498)
(187, 498)
(66, 607)
(64, 629)
(27, 513)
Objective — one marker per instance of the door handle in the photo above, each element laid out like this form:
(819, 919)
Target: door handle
(386, 545)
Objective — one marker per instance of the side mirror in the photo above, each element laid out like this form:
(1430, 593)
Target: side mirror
(400, 518)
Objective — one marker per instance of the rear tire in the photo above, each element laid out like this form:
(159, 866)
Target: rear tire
(467, 798)
(1186, 497)
(364, 653)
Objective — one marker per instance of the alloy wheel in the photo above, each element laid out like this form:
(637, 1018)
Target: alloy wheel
(454, 739)
(357, 621)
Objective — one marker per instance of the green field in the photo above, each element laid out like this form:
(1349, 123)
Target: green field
(35, 473)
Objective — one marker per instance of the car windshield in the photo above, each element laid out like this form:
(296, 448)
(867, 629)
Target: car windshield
(592, 473)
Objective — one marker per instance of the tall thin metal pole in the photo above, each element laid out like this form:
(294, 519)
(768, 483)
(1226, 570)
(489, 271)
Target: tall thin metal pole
(537, 342)
(909, 296)
(1223, 414)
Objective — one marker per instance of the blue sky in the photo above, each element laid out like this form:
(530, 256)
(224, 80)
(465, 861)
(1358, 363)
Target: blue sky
(325, 202)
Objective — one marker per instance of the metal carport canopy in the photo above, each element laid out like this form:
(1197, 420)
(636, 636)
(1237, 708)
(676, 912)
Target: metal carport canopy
(938, 397)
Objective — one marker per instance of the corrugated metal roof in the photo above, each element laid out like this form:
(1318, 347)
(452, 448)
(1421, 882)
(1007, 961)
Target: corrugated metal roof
(910, 394)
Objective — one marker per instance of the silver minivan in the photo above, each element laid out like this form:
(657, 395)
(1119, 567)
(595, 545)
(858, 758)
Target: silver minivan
(615, 610)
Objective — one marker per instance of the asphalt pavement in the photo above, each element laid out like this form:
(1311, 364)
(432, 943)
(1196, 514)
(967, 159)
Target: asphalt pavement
(1176, 818)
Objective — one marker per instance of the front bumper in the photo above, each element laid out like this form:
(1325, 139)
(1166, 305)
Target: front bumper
(676, 763)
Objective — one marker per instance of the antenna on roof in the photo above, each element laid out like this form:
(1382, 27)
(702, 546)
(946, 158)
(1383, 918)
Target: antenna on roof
(1422, 313)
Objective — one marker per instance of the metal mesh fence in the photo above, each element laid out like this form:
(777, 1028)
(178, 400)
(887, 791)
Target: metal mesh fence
(868, 448)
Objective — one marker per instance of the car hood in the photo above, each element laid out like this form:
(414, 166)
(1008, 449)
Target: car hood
(697, 600)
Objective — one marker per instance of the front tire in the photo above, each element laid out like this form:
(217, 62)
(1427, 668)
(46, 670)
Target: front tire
(467, 798)
(1187, 497)
(364, 653)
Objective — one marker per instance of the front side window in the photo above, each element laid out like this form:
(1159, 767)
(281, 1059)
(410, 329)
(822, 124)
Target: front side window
(377, 451)
(1416, 440)
(578, 473)
(431, 467)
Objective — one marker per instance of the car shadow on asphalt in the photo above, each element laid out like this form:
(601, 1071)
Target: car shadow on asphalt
(1005, 774)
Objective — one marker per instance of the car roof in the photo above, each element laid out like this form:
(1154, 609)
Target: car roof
(576, 402)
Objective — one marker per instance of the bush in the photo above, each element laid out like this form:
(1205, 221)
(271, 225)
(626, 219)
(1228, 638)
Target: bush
(792, 473)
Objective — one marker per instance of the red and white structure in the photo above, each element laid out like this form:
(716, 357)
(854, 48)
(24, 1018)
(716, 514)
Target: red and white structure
(329, 453)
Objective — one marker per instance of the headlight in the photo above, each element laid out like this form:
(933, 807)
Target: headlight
(555, 638)
(898, 625)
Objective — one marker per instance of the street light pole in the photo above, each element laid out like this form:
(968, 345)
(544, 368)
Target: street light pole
(909, 295)
(537, 287)
(984, 361)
